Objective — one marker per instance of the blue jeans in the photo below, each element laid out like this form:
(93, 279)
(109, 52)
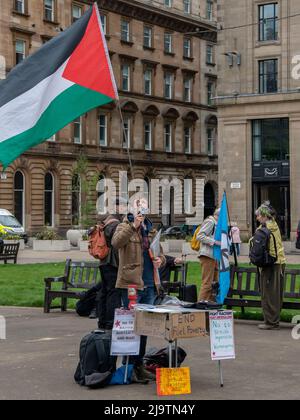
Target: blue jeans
(146, 296)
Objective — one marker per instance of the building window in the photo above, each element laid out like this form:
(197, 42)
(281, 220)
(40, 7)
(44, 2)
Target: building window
(148, 82)
(20, 6)
(168, 3)
(187, 48)
(76, 12)
(49, 10)
(168, 43)
(127, 133)
(168, 137)
(209, 10)
(125, 30)
(268, 22)
(148, 132)
(76, 200)
(49, 200)
(270, 140)
(210, 141)
(268, 76)
(209, 54)
(148, 36)
(210, 93)
(125, 77)
(103, 19)
(169, 80)
(187, 95)
(77, 127)
(187, 6)
(20, 51)
(19, 197)
(187, 140)
(188, 195)
(103, 130)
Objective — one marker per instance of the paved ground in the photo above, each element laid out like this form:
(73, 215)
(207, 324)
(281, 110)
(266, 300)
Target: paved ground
(29, 257)
(38, 359)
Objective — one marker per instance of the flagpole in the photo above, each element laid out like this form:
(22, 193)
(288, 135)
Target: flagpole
(234, 249)
(126, 139)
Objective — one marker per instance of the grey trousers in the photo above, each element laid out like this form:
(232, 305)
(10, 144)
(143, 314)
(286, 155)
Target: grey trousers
(272, 288)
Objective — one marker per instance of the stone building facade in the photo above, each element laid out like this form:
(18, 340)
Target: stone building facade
(163, 57)
(258, 102)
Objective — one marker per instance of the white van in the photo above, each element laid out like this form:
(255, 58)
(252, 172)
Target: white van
(9, 220)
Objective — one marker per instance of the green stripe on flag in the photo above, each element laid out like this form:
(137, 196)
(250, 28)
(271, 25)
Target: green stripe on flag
(65, 108)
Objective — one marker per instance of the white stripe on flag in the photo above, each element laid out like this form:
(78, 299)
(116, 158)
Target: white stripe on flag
(23, 112)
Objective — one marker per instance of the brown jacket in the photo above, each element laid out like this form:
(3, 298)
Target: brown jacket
(128, 241)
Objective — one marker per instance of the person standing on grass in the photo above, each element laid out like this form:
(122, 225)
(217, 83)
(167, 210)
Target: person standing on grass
(209, 266)
(271, 278)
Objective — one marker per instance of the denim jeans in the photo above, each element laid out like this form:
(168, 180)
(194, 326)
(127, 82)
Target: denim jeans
(146, 296)
(109, 297)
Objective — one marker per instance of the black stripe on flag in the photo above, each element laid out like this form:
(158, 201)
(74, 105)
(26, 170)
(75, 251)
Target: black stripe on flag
(44, 62)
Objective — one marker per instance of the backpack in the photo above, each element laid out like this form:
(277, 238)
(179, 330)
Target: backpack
(155, 359)
(260, 248)
(98, 247)
(195, 244)
(96, 365)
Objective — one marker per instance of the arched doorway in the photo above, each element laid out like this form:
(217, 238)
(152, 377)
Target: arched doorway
(49, 200)
(209, 200)
(19, 197)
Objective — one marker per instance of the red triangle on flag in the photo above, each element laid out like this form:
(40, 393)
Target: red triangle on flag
(89, 65)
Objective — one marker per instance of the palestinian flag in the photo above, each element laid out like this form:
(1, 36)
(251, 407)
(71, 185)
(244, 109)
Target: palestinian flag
(68, 76)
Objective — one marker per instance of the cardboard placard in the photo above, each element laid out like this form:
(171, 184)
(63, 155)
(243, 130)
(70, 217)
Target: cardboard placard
(187, 325)
(222, 335)
(124, 340)
(175, 381)
(171, 326)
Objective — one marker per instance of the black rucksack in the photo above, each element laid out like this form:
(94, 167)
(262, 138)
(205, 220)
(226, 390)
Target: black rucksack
(155, 358)
(260, 248)
(96, 365)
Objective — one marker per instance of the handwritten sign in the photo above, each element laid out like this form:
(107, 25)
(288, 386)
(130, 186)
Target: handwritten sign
(222, 335)
(124, 340)
(175, 381)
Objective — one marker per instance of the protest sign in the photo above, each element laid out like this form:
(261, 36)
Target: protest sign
(175, 381)
(124, 340)
(222, 335)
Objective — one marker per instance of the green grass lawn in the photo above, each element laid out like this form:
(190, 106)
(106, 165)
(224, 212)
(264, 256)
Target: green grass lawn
(23, 285)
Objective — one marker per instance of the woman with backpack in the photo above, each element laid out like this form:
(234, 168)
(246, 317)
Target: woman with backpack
(272, 274)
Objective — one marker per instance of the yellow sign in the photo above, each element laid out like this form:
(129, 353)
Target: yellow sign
(176, 381)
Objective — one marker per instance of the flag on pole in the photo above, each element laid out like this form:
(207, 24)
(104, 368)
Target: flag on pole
(221, 254)
(68, 76)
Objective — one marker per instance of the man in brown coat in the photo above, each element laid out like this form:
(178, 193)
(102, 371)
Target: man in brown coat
(136, 267)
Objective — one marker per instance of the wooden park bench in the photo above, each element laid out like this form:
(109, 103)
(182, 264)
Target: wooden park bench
(178, 280)
(78, 275)
(9, 252)
(245, 292)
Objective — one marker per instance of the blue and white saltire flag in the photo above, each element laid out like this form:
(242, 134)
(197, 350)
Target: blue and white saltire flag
(221, 254)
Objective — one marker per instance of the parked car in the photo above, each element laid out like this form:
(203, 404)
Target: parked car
(15, 228)
(174, 232)
(298, 236)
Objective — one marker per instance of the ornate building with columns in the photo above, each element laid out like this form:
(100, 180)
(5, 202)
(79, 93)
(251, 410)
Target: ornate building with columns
(259, 109)
(163, 55)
